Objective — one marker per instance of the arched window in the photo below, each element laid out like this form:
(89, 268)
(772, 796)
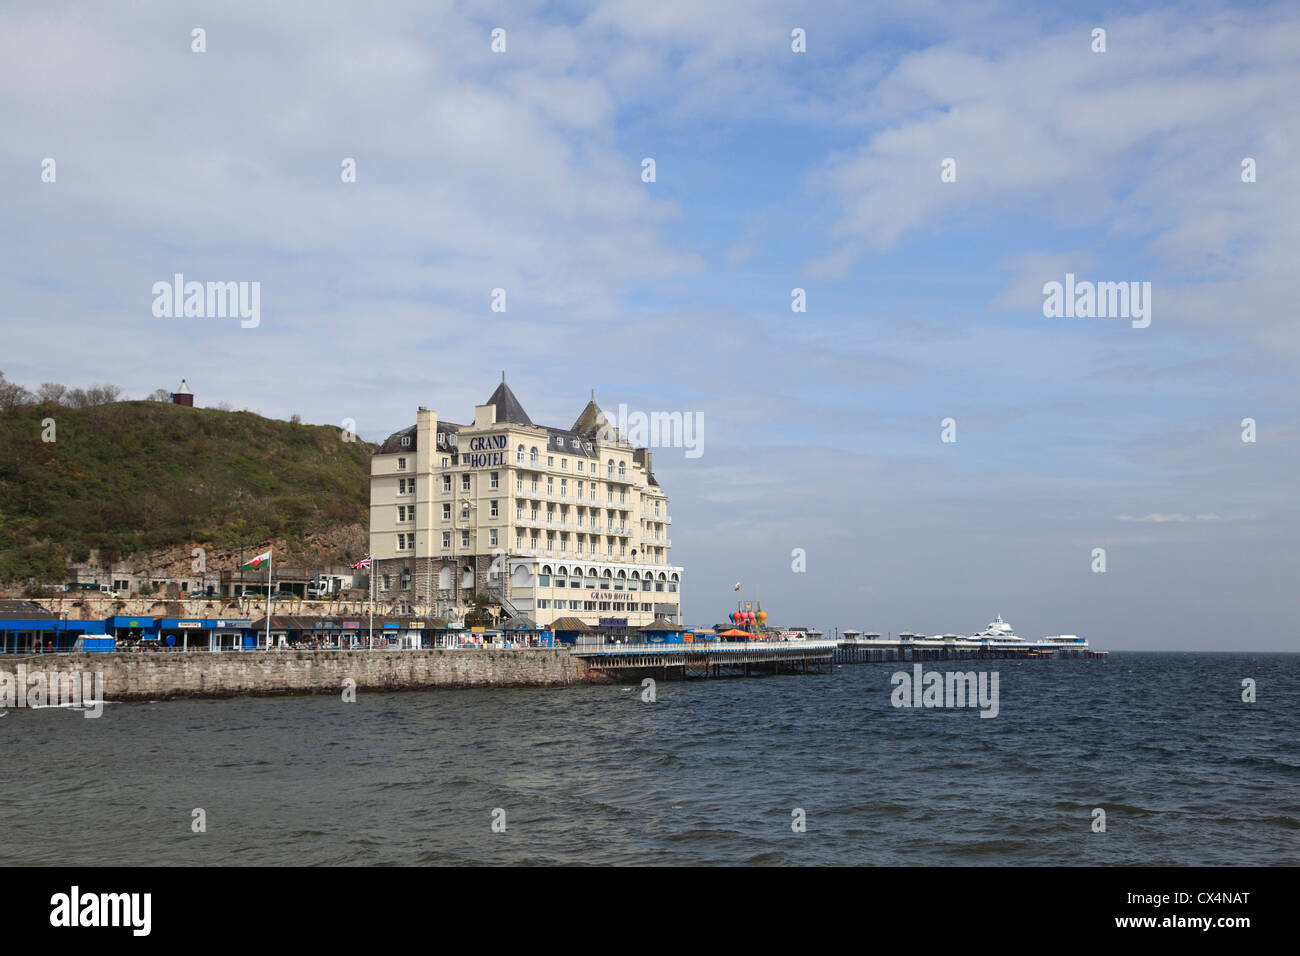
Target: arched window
(519, 456)
(532, 456)
(610, 468)
(622, 469)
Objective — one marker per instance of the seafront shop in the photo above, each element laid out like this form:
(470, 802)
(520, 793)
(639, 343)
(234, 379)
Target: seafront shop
(27, 628)
(205, 634)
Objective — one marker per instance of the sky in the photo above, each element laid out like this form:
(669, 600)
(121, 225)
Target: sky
(774, 170)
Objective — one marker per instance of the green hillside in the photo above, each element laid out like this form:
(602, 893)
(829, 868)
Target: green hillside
(133, 477)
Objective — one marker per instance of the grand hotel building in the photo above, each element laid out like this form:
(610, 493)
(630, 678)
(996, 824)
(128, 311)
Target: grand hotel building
(551, 522)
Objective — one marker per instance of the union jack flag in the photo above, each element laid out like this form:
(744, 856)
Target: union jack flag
(363, 563)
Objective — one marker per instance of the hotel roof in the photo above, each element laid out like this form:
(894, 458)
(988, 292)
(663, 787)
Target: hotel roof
(578, 440)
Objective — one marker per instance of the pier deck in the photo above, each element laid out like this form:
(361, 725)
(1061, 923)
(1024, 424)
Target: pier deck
(709, 659)
(854, 652)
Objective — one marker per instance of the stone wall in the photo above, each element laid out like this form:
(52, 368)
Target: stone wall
(159, 676)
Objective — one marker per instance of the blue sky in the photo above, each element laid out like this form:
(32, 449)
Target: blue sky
(775, 170)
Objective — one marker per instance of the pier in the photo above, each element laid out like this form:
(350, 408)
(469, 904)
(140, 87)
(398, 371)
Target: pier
(947, 649)
(709, 659)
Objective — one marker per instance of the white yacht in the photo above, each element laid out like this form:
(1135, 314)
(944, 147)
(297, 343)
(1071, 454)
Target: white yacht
(999, 630)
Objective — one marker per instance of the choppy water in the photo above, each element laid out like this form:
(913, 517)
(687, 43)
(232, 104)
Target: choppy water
(708, 774)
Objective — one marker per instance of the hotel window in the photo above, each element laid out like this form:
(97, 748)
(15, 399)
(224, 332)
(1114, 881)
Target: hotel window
(564, 486)
(385, 582)
(464, 482)
(446, 483)
(580, 489)
(519, 485)
(401, 464)
(533, 513)
(604, 606)
(564, 464)
(446, 511)
(561, 580)
(622, 549)
(533, 541)
(550, 461)
(581, 546)
(519, 455)
(550, 485)
(519, 512)
(464, 514)
(492, 510)
(544, 579)
(532, 456)
(494, 480)
(672, 586)
(622, 497)
(622, 469)
(580, 466)
(492, 537)
(519, 541)
(589, 605)
(656, 507)
(446, 539)
(543, 604)
(445, 461)
(610, 468)
(576, 605)
(534, 485)
(464, 539)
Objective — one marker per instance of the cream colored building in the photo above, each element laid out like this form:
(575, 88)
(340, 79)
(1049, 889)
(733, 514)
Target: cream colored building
(553, 522)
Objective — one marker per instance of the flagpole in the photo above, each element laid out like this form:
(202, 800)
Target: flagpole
(270, 561)
(370, 642)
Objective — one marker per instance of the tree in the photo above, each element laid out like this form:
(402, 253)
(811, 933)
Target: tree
(103, 394)
(160, 395)
(77, 398)
(13, 395)
(51, 393)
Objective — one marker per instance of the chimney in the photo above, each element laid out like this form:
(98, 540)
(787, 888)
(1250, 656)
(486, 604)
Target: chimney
(642, 457)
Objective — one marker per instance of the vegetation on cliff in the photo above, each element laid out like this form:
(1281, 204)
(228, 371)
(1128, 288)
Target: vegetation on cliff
(125, 478)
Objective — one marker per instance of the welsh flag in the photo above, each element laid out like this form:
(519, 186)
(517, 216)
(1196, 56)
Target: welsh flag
(258, 562)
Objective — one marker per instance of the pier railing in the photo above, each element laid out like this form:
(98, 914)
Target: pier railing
(702, 647)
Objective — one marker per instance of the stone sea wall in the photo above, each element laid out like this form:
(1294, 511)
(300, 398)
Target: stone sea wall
(160, 676)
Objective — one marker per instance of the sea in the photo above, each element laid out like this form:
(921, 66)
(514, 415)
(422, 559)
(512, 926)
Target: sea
(1142, 759)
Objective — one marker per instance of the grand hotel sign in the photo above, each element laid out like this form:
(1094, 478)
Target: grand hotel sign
(484, 451)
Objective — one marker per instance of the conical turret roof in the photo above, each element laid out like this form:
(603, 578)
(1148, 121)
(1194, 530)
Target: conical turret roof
(508, 407)
(591, 420)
